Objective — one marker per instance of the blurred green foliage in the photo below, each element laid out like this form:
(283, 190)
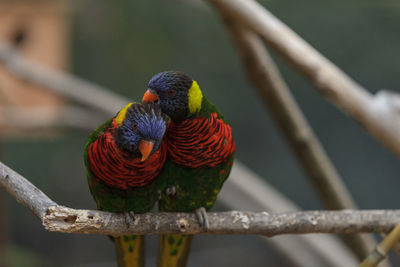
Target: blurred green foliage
(14, 256)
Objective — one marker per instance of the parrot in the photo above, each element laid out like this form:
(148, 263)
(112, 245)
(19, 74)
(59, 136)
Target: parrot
(200, 154)
(123, 158)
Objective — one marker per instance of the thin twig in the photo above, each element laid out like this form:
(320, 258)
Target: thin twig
(274, 92)
(382, 121)
(382, 249)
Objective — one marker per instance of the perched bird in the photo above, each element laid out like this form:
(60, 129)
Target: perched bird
(199, 159)
(123, 157)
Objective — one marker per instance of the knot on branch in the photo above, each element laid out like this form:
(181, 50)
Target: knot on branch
(385, 109)
(59, 218)
(183, 224)
(388, 101)
(242, 217)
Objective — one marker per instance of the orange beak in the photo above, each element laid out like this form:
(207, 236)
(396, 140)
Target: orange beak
(149, 97)
(145, 148)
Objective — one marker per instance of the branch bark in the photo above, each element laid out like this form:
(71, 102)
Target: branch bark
(62, 219)
(382, 121)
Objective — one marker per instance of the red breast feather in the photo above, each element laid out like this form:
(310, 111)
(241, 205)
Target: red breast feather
(116, 169)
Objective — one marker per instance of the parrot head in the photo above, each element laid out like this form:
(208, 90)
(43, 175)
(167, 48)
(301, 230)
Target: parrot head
(177, 94)
(140, 130)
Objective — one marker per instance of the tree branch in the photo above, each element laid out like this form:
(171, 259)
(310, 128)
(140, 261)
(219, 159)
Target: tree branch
(62, 219)
(382, 249)
(274, 92)
(66, 220)
(382, 121)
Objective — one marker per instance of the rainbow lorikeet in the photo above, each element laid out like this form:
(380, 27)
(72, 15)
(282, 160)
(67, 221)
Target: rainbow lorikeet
(199, 159)
(123, 157)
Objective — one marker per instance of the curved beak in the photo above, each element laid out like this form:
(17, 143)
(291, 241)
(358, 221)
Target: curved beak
(145, 148)
(149, 97)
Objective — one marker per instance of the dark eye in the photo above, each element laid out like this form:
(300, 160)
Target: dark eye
(134, 126)
(171, 92)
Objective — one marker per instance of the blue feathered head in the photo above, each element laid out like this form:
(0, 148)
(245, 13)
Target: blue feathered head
(141, 130)
(171, 90)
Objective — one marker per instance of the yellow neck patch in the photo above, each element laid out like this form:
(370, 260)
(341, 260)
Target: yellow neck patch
(122, 114)
(194, 98)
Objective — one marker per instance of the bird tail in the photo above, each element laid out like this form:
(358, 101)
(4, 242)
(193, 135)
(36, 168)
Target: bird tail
(130, 250)
(173, 250)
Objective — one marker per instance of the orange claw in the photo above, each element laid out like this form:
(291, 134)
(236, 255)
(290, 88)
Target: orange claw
(145, 148)
(149, 97)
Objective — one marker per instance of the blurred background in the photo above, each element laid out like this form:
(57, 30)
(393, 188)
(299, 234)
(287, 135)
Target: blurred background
(121, 44)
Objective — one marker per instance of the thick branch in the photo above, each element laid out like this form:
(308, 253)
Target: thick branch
(381, 121)
(62, 219)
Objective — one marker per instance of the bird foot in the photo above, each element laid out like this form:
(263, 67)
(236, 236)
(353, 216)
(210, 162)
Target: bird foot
(129, 219)
(158, 194)
(202, 218)
(171, 191)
